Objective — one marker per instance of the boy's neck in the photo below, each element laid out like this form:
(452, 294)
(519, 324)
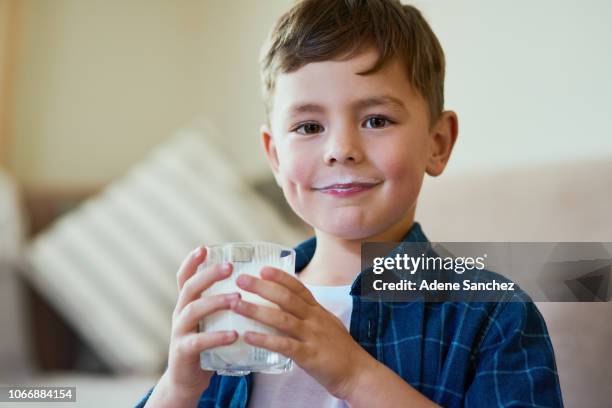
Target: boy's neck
(337, 261)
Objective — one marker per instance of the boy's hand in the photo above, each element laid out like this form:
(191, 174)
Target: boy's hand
(315, 339)
(184, 380)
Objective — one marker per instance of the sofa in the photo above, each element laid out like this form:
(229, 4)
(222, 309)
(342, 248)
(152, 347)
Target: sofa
(560, 202)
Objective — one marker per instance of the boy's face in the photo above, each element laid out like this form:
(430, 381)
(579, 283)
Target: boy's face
(350, 151)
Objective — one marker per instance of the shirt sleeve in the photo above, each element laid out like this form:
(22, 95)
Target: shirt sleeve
(207, 399)
(515, 363)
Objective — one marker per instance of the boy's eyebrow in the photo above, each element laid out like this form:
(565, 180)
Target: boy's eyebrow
(379, 100)
(306, 108)
(359, 104)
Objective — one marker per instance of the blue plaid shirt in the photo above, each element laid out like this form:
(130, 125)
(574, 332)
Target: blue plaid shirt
(457, 354)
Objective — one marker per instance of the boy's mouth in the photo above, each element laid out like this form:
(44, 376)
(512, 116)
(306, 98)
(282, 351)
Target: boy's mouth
(346, 189)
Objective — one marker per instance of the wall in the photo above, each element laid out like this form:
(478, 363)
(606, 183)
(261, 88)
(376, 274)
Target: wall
(9, 16)
(100, 82)
(529, 79)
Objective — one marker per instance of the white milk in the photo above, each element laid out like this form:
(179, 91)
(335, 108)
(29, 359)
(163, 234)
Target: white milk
(238, 352)
(240, 358)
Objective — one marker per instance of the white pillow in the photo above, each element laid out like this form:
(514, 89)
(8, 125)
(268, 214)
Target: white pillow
(110, 265)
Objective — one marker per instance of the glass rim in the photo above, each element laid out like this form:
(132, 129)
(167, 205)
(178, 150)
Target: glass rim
(255, 243)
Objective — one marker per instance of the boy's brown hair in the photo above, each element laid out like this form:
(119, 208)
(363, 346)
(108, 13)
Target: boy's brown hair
(320, 30)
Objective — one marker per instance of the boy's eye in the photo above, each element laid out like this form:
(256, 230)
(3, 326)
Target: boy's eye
(308, 128)
(376, 122)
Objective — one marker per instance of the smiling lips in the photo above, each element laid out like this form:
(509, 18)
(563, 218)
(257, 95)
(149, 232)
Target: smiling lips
(346, 189)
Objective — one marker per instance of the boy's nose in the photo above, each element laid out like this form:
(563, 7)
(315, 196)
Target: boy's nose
(343, 149)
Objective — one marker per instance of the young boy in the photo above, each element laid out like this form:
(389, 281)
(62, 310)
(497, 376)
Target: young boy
(354, 97)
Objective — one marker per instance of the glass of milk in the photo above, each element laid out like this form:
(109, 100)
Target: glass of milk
(240, 358)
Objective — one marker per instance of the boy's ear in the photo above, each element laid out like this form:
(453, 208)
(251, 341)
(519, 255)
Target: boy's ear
(444, 135)
(270, 149)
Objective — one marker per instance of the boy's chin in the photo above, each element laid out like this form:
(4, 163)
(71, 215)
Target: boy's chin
(350, 235)
(347, 223)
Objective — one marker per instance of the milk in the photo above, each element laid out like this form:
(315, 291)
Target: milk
(239, 357)
(238, 352)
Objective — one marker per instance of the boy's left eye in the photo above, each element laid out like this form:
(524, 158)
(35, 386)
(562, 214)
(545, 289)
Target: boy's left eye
(376, 122)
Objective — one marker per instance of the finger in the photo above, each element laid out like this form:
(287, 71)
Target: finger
(275, 318)
(275, 293)
(281, 344)
(191, 314)
(283, 278)
(195, 343)
(198, 283)
(190, 265)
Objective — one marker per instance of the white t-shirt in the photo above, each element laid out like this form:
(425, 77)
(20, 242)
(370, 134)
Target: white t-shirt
(296, 388)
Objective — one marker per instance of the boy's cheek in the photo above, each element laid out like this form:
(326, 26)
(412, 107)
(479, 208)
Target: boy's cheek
(296, 168)
(293, 180)
(401, 168)
(404, 177)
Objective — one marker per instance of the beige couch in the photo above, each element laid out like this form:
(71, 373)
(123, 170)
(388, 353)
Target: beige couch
(565, 202)
(17, 367)
(561, 202)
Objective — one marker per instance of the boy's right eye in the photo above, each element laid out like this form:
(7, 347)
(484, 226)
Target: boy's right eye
(308, 128)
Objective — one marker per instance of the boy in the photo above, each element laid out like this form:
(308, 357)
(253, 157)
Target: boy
(354, 97)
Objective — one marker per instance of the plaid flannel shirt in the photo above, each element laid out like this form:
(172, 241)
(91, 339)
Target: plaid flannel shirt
(457, 354)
